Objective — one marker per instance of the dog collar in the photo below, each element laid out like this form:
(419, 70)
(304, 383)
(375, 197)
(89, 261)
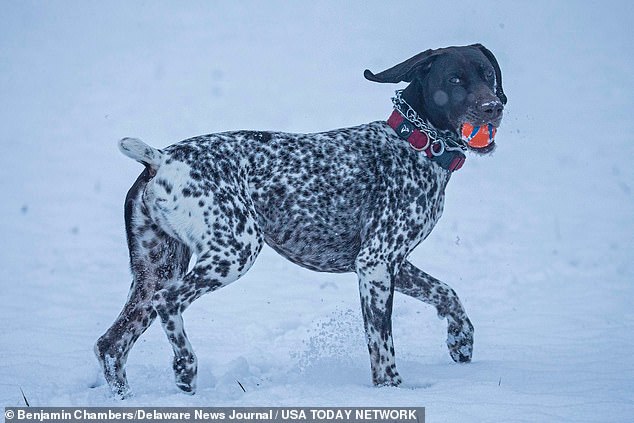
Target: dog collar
(435, 149)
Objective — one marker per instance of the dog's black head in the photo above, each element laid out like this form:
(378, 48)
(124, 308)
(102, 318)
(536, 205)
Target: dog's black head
(451, 86)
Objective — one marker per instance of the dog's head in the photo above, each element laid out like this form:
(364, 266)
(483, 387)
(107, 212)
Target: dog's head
(451, 87)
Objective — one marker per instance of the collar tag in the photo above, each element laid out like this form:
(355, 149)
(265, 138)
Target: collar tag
(450, 160)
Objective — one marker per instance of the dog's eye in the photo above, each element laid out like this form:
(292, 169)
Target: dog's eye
(489, 74)
(455, 80)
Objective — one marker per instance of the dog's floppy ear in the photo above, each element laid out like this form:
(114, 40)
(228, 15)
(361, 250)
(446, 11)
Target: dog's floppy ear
(499, 91)
(403, 72)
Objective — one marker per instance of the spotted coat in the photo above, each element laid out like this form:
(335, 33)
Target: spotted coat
(350, 200)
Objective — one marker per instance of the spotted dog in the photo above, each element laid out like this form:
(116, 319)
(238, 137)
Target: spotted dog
(356, 200)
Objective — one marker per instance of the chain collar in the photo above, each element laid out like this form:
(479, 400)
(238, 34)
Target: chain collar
(451, 142)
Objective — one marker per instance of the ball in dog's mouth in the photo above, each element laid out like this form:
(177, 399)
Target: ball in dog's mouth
(480, 138)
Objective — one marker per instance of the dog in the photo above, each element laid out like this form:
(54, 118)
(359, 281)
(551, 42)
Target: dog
(357, 200)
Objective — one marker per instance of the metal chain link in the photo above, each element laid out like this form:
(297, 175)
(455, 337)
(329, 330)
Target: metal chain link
(450, 141)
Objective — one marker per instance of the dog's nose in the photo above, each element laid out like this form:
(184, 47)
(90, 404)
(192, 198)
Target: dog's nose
(491, 110)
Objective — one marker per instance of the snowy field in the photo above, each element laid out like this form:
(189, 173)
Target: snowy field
(538, 239)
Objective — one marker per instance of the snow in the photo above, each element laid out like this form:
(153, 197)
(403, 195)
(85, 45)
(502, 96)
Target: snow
(537, 240)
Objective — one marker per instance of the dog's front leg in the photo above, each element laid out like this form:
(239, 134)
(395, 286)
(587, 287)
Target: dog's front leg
(417, 284)
(376, 286)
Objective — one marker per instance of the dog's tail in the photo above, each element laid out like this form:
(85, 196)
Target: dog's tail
(141, 152)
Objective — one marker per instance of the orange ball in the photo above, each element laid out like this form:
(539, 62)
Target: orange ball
(478, 136)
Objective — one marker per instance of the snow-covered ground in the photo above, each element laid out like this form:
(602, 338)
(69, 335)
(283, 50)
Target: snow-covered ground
(538, 239)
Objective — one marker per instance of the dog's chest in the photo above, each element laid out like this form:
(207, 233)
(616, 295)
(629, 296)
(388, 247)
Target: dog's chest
(411, 209)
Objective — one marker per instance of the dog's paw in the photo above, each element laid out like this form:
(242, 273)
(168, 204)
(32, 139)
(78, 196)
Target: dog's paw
(185, 372)
(394, 381)
(391, 378)
(122, 393)
(460, 340)
(187, 389)
(120, 390)
(113, 372)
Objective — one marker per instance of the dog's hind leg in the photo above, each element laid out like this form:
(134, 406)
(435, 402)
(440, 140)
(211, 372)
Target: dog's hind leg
(155, 258)
(418, 284)
(222, 231)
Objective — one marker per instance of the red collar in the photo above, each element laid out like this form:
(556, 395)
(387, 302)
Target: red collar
(450, 160)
